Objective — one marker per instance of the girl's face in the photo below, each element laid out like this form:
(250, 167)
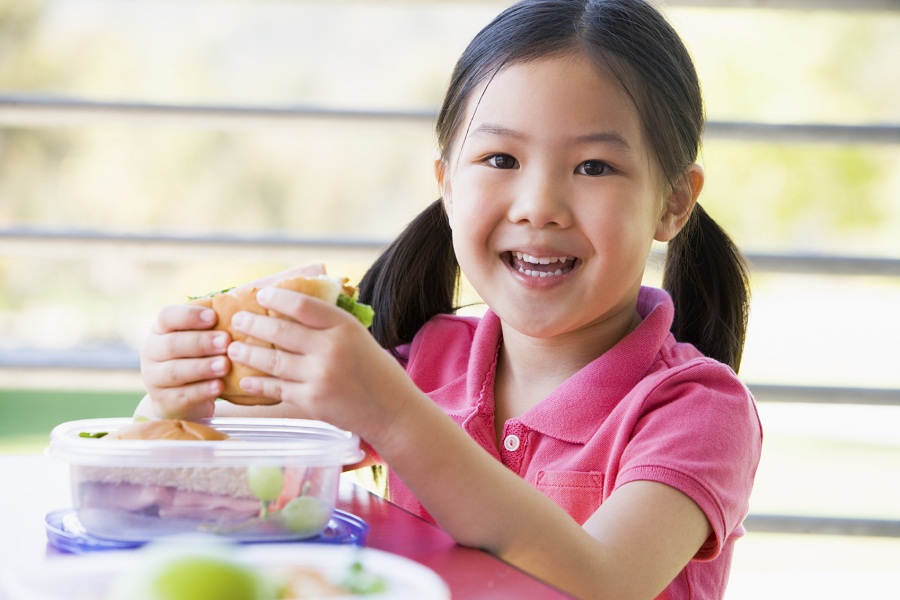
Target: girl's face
(554, 197)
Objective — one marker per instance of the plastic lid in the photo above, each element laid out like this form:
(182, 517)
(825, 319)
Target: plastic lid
(296, 441)
(66, 534)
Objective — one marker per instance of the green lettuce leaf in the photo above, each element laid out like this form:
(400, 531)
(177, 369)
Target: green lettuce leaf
(211, 294)
(363, 312)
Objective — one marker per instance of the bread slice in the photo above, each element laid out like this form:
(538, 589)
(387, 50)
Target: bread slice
(222, 481)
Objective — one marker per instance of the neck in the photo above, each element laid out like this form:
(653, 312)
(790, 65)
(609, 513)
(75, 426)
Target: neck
(529, 369)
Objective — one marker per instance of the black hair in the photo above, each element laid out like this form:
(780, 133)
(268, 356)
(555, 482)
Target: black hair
(414, 279)
(417, 275)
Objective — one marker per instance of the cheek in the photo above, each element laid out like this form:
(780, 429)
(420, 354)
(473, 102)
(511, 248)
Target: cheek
(618, 224)
(472, 226)
(477, 191)
(460, 200)
(447, 202)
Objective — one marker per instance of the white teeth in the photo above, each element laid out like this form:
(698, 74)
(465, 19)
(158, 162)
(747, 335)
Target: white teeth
(540, 273)
(545, 260)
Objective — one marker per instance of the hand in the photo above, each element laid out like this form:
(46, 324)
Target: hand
(183, 361)
(326, 363)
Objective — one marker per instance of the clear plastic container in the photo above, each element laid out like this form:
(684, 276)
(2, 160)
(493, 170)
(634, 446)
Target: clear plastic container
(273, 480)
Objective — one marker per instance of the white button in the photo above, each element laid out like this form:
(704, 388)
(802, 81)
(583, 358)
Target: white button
(511, 443)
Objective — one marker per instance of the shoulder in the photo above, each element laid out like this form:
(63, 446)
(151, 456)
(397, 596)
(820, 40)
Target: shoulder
(440, 350)
(443, 330)
(450, 323)
(693, 410)
(698, 431)
(438, 327)
(693, 387)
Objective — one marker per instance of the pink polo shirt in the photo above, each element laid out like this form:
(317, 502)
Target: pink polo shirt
(648, 409)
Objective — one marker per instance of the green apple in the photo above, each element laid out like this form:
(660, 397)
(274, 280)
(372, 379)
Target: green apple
(191, 576)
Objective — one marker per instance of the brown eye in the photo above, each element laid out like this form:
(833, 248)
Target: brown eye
(503, 161)
(593, 168)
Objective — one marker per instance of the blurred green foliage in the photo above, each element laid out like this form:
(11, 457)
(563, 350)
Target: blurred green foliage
(803, 197)
(37, 412)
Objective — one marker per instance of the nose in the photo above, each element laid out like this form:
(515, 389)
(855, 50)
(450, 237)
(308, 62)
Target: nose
(541, 200)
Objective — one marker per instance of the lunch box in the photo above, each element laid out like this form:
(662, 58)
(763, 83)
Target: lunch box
(272, 480)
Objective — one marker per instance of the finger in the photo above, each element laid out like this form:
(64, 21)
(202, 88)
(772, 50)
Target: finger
(308, 310)
(186, 344)
(277, 389)
(180, 317)
(282, 332)
(182, 372)
(190, 402)
(285, 365)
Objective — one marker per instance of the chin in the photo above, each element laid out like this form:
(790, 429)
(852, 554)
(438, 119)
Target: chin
(526, 325)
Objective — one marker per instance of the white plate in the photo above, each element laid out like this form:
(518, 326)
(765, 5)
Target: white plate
(87, 577)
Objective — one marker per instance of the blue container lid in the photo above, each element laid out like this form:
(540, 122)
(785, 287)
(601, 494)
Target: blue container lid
(65, 533)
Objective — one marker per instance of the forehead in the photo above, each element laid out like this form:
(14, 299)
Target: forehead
(554, 100)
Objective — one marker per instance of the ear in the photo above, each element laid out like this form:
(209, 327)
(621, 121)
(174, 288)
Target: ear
(443, 181)
(679, 203)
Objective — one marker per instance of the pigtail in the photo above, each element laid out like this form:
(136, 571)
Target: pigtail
(414, 279)
(707, 277)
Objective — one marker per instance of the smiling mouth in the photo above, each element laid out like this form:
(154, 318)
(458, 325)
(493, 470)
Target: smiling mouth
(540, 266)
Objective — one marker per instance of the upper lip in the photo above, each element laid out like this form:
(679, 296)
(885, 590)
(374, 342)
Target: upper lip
(539, 252)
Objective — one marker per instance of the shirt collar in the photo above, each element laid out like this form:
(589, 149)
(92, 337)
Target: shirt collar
(574, 410)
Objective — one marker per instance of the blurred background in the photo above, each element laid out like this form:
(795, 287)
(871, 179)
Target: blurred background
(156, 149)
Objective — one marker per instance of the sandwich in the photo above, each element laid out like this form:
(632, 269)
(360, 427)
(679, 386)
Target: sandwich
(182, 487)
(159, 477)
(334, 290)
(172, 492)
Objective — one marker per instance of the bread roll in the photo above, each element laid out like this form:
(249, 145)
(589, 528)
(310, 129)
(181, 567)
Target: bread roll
(167, 429)
(227, 303)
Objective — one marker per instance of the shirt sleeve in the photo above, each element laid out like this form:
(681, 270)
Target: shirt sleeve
(699, 433)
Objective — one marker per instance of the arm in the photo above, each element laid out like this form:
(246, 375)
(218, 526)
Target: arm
(331, 369)
(632, 547)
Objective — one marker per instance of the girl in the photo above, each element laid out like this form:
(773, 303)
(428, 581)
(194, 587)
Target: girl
(585, 429)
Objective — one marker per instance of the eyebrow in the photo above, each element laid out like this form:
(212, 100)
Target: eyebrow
(612, 138)
(497, 130)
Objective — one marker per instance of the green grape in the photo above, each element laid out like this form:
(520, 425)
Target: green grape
(306, 515)
(265, 482)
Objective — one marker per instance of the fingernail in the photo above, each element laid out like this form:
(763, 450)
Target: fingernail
(237, 351)
(220, 342)
(208, 316)
(239, 319)
(219, 366)
(248, 385)
(264, 295)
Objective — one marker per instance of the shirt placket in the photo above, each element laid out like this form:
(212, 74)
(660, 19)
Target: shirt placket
(512, 447)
